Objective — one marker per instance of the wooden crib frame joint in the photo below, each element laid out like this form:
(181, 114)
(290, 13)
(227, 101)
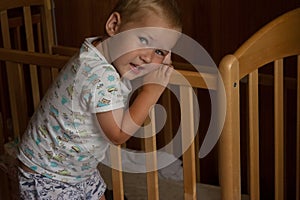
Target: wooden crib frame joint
(270, 43)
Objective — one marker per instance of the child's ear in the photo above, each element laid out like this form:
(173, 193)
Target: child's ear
(113, 24)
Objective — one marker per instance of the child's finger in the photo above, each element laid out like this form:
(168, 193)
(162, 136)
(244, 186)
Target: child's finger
(167, 60)
(169, 71)
(166, 70)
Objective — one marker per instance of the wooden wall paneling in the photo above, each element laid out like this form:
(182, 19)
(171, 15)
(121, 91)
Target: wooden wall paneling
(213, 30)
(77, 19)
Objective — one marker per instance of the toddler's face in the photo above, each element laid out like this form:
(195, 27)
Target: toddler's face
(141, 46)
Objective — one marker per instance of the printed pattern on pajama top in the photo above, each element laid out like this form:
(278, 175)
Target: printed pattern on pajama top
(63, 140)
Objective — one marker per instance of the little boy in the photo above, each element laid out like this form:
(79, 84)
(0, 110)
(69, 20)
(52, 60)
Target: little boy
(84, 109)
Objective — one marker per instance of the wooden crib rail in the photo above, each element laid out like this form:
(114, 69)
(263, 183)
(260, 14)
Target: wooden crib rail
(8, 4)
(270, 43)
(25, 57)
(274, 43)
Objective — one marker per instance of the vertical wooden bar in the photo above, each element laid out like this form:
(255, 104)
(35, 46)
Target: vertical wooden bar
(298, 134)
(11, 71)
(17, 37)
(39, 37)
(279, 129)
(254, 136)
(28, 28)
(21, 90)
(197, 159)
(168, 129)
(21, 95)
(229, 143)
(44, 73)
(151, 159)
(188, 133)
(30, 47)
(54, 73)
(117, 176)
(48, 26)
(49, 41)
(197, 140)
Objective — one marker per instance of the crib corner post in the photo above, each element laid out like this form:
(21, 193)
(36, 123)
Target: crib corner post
(229, 144)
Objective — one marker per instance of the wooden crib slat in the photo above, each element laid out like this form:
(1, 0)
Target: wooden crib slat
(117, 176)
(5, 29)
(48, 26)
(33, 58)
(39, 37)
(13, 98)
(168, 129)
(11, 72)
(151, 158)
(28, 28)
(49, 42)
(279, 130)
(197, 139)
(197, 160)
(30, 47)
(17, 37)
(254, 136)
(188, 133)
(45, 77)
(298, 134)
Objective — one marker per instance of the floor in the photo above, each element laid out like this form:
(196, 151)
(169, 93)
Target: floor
(135, 187)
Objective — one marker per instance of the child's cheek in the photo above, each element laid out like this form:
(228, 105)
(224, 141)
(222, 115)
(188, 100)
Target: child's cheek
(158, 59)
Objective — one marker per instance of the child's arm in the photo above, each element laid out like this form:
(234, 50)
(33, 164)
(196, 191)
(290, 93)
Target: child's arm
(119, 125)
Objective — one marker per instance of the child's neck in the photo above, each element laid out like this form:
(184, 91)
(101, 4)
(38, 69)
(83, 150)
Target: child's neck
(101, 45)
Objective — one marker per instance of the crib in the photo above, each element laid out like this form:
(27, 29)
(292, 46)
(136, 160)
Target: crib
(31, 70)
(274, 44)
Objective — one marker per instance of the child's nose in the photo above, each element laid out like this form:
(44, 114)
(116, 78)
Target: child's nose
(147, 55)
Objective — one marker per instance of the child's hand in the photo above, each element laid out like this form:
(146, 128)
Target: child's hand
(167, 60)
(158, 79)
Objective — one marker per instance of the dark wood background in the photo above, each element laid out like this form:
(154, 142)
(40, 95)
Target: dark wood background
(220, 26)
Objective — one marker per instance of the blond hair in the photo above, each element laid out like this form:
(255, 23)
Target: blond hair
(165, 8)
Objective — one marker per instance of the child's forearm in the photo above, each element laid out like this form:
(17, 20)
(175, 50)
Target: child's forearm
(136, 114)
(120, 125)
(139, 110)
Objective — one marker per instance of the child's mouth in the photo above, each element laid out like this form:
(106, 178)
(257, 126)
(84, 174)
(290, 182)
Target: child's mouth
(135, 68)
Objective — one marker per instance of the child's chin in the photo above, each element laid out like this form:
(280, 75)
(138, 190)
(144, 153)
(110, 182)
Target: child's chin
(131, 75)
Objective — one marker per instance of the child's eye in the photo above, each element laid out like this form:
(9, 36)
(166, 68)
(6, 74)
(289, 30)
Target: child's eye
(143, 40)
(161, 52)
